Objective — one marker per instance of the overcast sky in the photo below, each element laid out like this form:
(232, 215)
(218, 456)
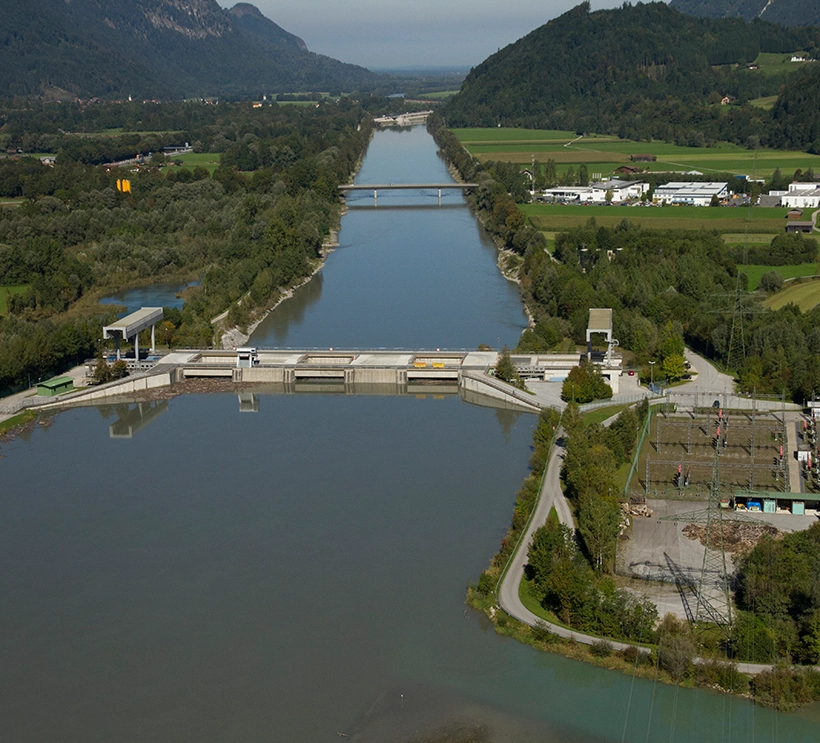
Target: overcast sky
(412, 33)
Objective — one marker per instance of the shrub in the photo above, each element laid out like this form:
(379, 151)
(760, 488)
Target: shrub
(601, 649)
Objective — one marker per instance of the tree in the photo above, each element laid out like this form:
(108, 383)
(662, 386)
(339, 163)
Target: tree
(584, 384)
(598, 521)
(583, 175)
(505, 369)
(770, 282)
(674, 367)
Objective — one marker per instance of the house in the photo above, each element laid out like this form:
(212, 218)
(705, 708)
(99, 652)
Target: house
(692, 193)
(618, 190)
(627, 170)
(799, 226)
(794, 214)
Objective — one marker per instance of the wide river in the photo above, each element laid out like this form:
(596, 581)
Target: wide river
(190, 572)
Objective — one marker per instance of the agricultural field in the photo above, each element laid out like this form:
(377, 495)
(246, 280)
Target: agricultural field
(603, 154)
(805, 294)
(560, 217)
(787, 272)
(5, 293)
(191, 160)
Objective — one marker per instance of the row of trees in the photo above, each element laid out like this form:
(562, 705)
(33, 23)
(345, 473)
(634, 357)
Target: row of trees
(569, 572)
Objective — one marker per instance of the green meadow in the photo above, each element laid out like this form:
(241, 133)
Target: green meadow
(558, 217)
(805, 294)
(778, 64)
(603, 154)
(191, 160)
(754, 272)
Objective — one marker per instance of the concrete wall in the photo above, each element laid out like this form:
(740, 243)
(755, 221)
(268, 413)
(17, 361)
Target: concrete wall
(495, 388)
(127, 386)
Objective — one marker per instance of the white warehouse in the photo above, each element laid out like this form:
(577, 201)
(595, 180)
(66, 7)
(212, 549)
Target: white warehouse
(693, 193)
(799, 196)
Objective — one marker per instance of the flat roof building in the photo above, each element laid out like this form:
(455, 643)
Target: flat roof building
(692, 193)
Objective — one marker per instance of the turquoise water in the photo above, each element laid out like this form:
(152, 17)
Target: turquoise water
(190, 572)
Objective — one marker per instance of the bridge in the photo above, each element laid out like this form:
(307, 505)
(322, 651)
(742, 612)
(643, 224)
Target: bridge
(376, 187)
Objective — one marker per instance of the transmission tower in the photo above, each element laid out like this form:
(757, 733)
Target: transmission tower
(713, 602)
(738, 299)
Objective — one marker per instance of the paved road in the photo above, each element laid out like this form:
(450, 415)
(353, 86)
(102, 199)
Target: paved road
(508, 599)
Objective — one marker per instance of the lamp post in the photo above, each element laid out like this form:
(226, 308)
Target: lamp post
(651, 374)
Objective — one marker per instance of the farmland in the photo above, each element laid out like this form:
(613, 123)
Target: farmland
(603, 154)
(787, 272)
(558, 217)
(804, 294)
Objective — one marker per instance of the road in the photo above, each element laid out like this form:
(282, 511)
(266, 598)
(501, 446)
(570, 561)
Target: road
(508, 598)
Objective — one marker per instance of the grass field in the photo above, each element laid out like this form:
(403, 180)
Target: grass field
(191, 160)
(558, 217)
(5, 293)
(599, 415)
(439, 95)
(805, 294)
(603, 154)
(766, 102)
(778, 64)
(787, 272)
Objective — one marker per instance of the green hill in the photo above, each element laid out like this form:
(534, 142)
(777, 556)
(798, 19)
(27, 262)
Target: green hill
(785, 12)
(157, 48)
(642, 72)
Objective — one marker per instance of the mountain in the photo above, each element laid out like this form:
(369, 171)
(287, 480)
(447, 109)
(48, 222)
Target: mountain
(784, 12)
(644, 71)
(249, 19)
(158, 48)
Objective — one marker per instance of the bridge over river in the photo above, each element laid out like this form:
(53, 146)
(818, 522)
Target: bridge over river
(376, 187)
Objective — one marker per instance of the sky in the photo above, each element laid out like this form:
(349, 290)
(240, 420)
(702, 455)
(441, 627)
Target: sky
(412, 33)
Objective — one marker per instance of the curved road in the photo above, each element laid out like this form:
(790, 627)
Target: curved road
(508, 598)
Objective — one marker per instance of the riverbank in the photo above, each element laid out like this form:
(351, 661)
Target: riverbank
(234, 337)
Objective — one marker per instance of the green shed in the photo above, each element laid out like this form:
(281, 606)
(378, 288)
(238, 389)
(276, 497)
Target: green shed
(55, 386)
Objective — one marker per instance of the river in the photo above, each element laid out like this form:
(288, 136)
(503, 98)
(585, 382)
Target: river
(198, 573)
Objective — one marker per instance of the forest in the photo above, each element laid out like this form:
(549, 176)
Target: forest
(646, 72)
(242, 233)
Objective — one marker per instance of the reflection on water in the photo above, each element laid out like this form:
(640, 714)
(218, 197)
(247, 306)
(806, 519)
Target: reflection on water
(132, 418)
(291, 313)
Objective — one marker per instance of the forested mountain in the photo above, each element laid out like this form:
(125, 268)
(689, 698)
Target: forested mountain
(785, 12)
(250, 19)
(157, 48)
(643, 72)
